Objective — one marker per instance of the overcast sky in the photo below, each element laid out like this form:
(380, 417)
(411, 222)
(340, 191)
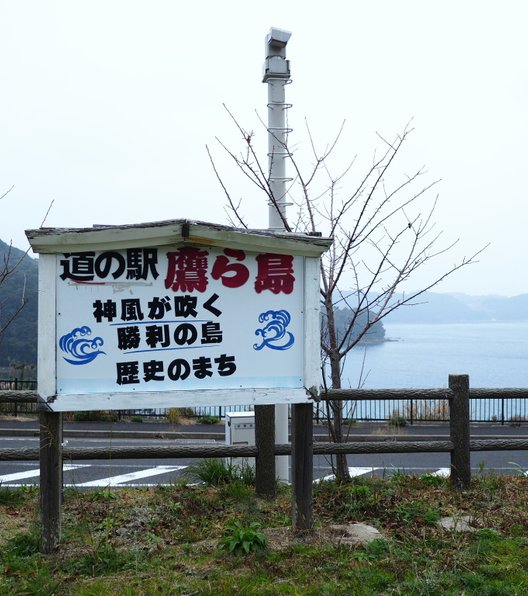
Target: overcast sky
(106, 108)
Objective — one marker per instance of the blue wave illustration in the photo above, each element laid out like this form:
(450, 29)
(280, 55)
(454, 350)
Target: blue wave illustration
(82, 349)
(274, 334)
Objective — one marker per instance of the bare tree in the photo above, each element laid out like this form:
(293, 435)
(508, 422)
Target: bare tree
(8, 266)
(383, 231)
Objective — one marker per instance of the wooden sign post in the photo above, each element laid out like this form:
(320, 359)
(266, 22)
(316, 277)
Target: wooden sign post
(172, 314)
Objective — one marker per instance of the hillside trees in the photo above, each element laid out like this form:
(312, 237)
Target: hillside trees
(382, 223)
(18, 306)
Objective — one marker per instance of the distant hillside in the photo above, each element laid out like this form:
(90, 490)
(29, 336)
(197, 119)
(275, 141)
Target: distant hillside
(461, 308)
(18, 343)
(343, 318)
(497, 308)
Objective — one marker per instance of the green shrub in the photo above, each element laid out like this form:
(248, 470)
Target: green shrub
(416, 512)
(174, 415)
(24, 544)
(96, 416)
(214, 471)
(103, 494)
(397, 420)
(217, 471)
(208, 419)
(349, 421)
(246, 474)
(242, 539)
(104, 559)
(432, 479)
(15, 497)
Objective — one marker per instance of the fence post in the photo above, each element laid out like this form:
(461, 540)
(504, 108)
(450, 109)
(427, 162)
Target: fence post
(302, 466)
(16, 405)
(50, 480)
(265, 475)
(459, 431)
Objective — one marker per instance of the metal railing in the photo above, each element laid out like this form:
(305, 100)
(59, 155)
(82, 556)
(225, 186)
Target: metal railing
(494, 408)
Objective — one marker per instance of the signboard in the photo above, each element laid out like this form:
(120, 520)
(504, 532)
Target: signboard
(173, 325)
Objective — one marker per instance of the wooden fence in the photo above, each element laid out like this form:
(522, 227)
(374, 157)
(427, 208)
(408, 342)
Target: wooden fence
(498, 406)
(302, 449)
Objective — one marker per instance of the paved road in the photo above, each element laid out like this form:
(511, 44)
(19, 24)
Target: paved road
(147, 472)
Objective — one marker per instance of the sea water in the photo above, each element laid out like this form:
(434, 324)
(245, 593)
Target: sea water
(418, 356)
(422, 356)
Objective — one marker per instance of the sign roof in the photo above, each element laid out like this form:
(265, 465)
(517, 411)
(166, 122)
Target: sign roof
(174, 232)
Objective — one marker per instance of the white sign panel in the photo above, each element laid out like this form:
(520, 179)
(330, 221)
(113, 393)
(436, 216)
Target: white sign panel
(178, 318)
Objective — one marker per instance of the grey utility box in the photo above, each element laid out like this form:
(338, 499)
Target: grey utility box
(240, 430)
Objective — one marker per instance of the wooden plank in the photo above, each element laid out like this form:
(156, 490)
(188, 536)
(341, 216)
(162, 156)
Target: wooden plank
(312, 326)
(176, 399)
(265, 479)
(459, 431)
(46, 326)
(29, 396)
(302, 467)
(50, 480)
(173, 232)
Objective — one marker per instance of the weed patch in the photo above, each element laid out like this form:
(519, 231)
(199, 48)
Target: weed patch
(215, 472)
(166, 540)
(241, 539)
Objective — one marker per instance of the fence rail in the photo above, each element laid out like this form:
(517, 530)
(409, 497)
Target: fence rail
(500, 406)
(16, 407)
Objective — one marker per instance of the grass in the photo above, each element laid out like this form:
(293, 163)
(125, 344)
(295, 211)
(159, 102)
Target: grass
(217, 471)
(168, 540)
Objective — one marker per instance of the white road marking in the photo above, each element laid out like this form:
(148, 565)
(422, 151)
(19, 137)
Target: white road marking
(361, 471)
(130, 477)
(35, 473)
(443, 472)
(352, 471)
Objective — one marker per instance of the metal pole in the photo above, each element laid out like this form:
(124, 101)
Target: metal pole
(277, 75)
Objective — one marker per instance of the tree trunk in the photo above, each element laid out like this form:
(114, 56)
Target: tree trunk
(335, 420)
(336, 425)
